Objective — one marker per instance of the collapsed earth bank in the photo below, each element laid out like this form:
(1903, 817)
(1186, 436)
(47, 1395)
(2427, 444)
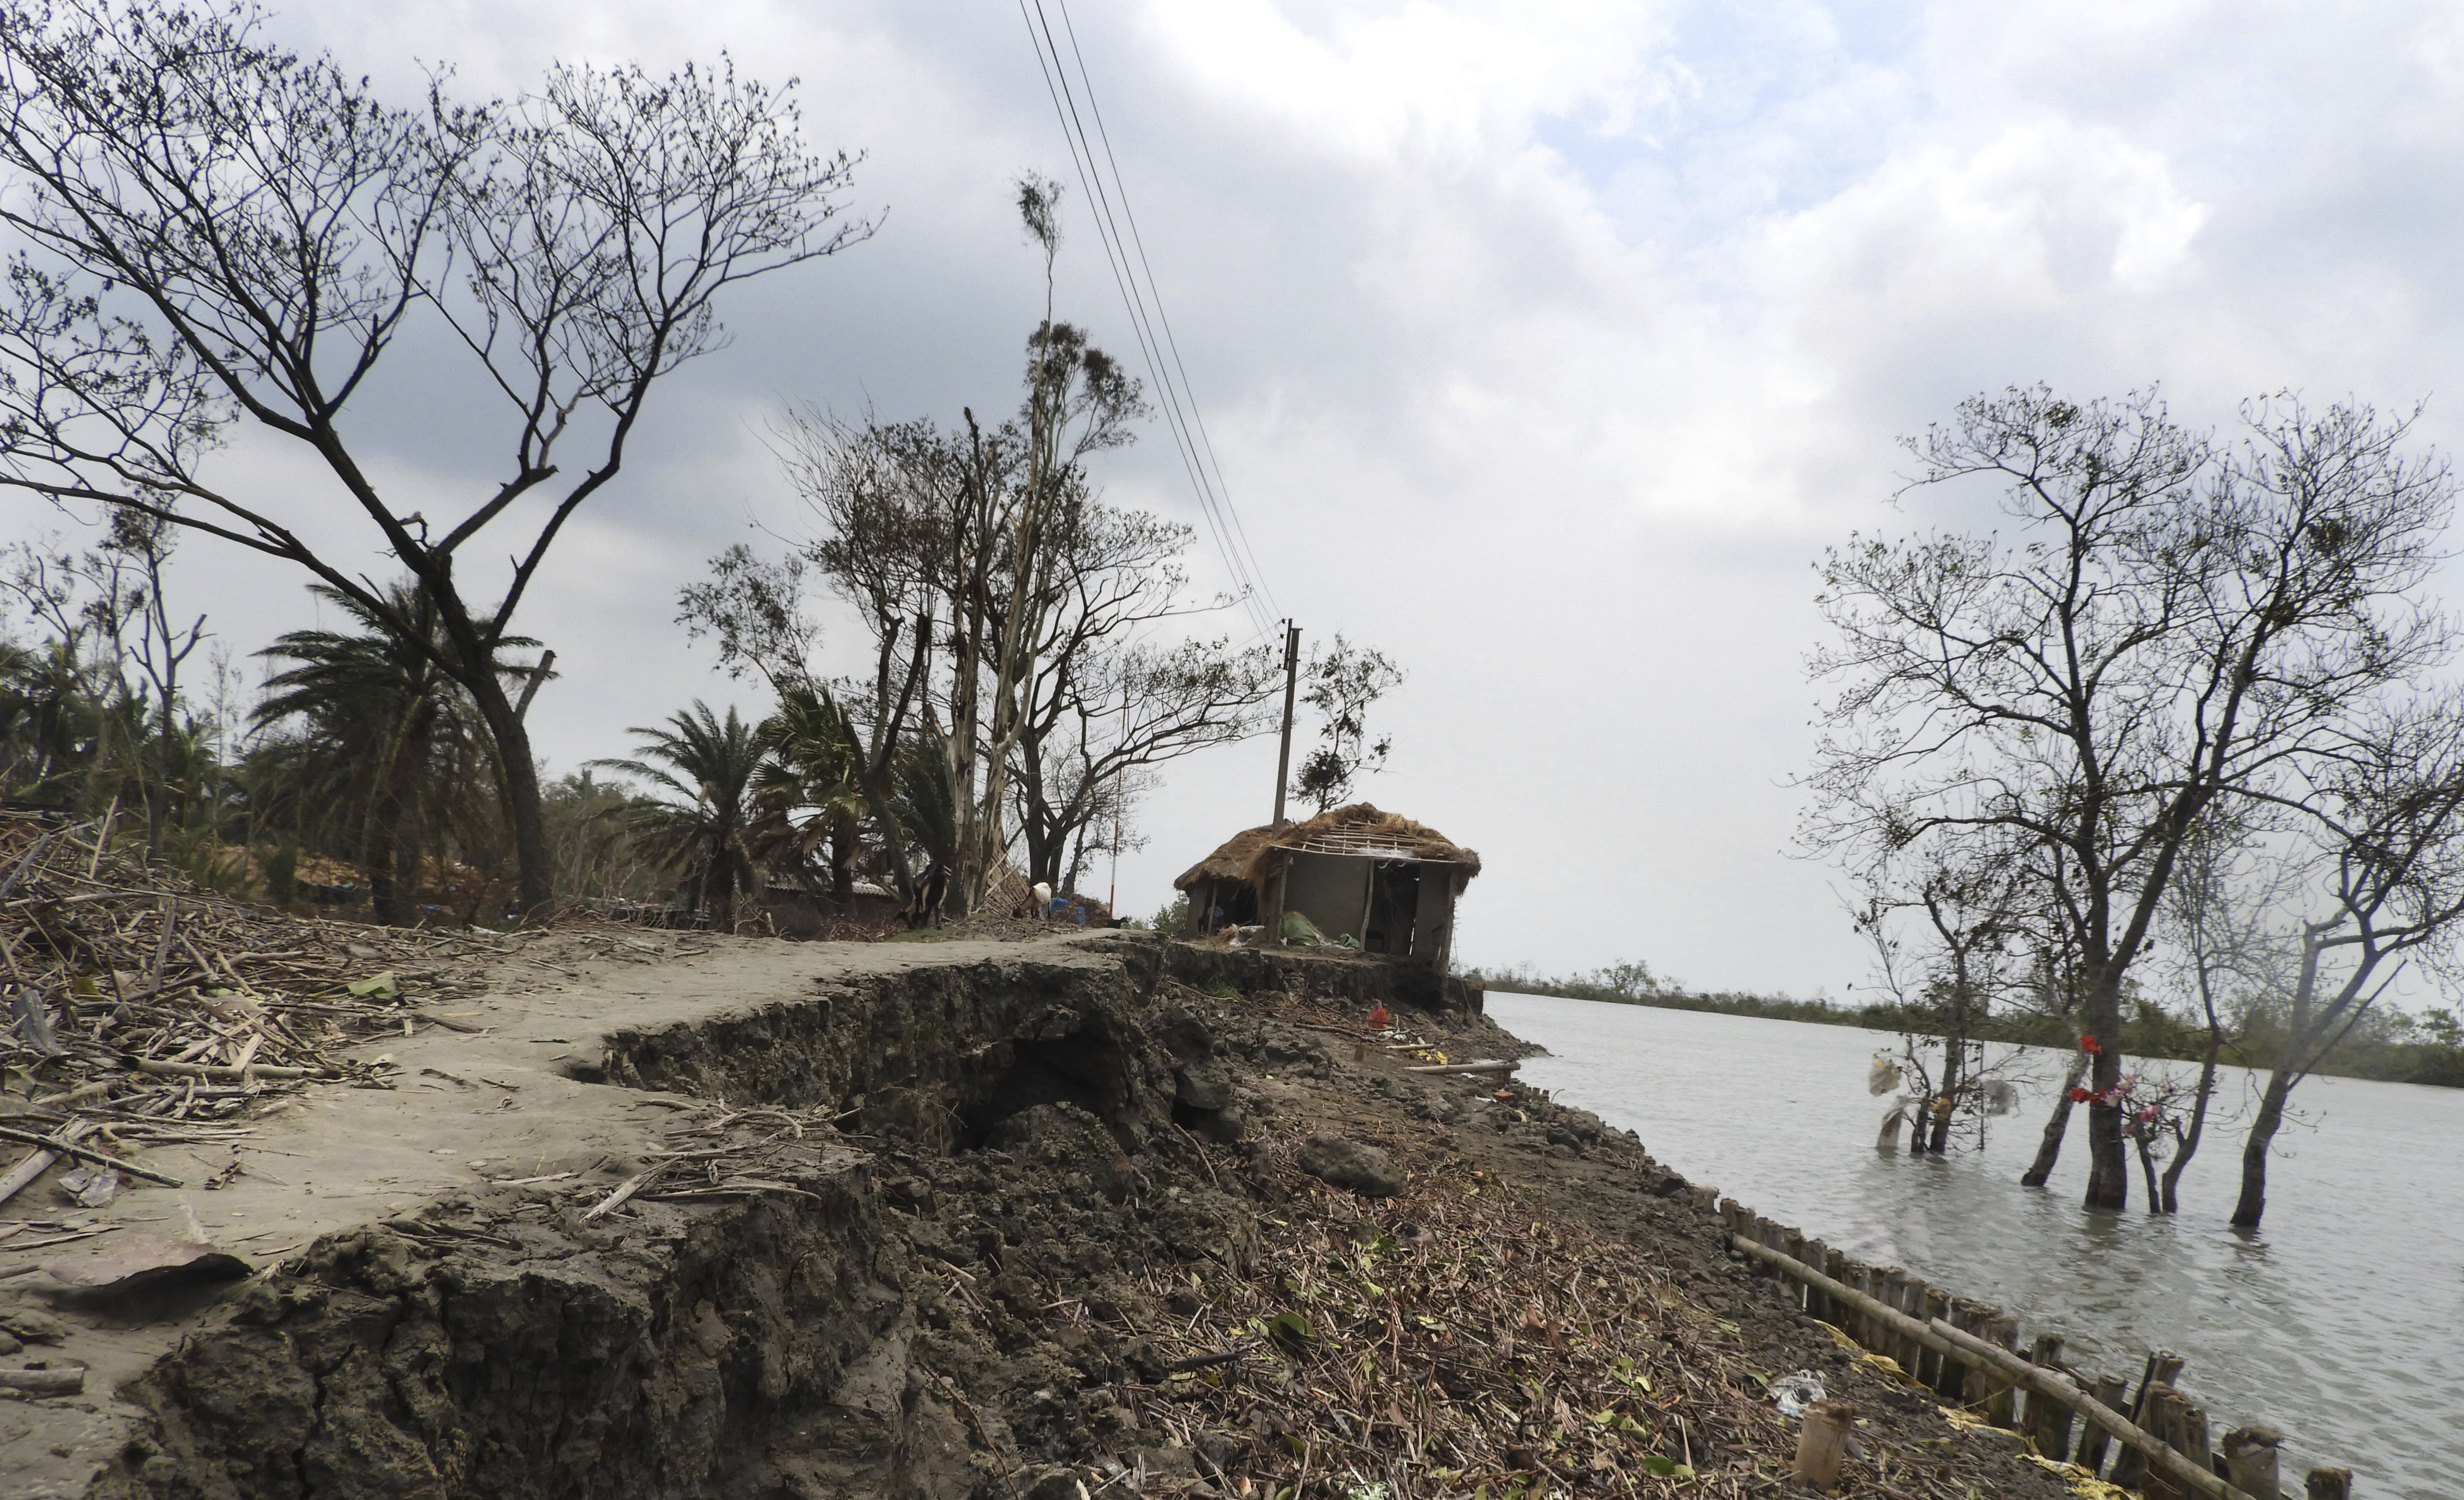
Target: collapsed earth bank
(1043, 1223)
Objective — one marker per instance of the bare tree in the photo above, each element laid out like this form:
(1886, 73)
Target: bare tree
(914, 536)
(217, 234)
(2384, 837)
(2225, 892)
(2176, 620)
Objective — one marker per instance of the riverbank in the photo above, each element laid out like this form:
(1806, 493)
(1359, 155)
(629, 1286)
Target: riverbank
(980, 1220)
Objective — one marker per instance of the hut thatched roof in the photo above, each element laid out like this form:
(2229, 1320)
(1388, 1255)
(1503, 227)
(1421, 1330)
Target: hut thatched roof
(1358, 830)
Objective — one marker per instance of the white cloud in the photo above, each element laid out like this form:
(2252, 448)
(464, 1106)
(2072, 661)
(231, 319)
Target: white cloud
(1544, 344)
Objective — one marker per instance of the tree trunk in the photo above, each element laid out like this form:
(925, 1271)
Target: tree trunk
(2049, 1147)
(2148, 1169)
(376, 857)
(2190, 1141)
(2247, 1213)
(2108, 1171)
(846, 838)
(1946, 1105)
(518, 773)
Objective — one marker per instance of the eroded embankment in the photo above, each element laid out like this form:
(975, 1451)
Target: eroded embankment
(985, 1224)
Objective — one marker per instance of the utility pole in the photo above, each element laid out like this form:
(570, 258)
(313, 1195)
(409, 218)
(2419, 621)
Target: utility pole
(1291, 684)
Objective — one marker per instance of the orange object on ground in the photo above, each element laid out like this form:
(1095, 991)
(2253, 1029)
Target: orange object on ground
(1377, 1016)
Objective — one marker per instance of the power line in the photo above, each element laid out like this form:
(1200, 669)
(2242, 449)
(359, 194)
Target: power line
(1172, 344)
(1134, 275)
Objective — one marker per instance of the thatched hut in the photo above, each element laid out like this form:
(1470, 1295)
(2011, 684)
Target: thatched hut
(1387, 884)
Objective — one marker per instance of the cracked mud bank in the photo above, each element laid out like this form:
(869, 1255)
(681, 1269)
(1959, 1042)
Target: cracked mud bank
(1006, 1220)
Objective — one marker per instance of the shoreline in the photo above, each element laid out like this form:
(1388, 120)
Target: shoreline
(946, 1219)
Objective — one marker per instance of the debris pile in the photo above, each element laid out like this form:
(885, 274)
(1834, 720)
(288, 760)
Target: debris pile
(1443, 1342)
(140, 1009)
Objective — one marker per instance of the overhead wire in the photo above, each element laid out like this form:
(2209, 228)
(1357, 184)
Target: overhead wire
(1171, 344)
(1152, 329)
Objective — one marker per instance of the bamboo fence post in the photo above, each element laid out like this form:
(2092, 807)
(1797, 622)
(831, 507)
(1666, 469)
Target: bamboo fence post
(1884, 1336)
(2250, 1458)
(1860, 1326)
(1792, 1244)
(2108, 1391)
(1937, 1306)
(1817, 1305)
(1771, 1236)
(1843, 1317)
(1888, 1290)
(2049, 1421)
(2161, 1415)
(2164, 1367)
(2329, 1484)
(1961, 1386)
(2190, 1434)
(1911, 1302)
(2001, 1401)
(1963, 1348)
(1822, 1444)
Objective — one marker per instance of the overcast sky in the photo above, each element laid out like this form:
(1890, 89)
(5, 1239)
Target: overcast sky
(1544, 345)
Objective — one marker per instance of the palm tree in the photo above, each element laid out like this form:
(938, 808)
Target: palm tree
(707, 766)
(389, 758)
(810, 770)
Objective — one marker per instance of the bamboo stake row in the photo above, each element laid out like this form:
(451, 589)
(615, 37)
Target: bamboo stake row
(1968, 1353)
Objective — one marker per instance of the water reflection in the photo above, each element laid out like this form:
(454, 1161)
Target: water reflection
(2341, 1320)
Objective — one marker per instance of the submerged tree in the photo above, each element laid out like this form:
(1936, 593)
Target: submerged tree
(217, 235)
(1945, 978)
(2171, 622)
(2384, 842)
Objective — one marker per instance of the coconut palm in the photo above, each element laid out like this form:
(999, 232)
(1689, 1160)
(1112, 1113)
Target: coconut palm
(386, 757)
(807, 795)
(705, 765)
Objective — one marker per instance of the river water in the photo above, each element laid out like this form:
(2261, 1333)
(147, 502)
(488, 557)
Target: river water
(2341, 1322)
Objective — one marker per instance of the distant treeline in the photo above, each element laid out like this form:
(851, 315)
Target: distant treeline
(2390, 1046)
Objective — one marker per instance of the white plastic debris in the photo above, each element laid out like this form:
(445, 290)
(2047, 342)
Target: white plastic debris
(1884, 1076)
(1796, 1394)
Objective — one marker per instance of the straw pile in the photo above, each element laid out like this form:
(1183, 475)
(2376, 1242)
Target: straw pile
(139, 1006)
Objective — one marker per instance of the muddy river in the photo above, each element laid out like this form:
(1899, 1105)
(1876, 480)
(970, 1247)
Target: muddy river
(2341, 1322)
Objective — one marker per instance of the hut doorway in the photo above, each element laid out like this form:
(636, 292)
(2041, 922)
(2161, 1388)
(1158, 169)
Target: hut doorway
(1394, 907)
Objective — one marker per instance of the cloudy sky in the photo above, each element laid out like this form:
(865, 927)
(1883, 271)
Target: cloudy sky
(1543, 343)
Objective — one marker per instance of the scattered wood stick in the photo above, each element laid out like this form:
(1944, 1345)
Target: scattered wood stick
(147, 1064)
(1201, 1361)
(70, 1147)
(624, 1190)
(39, 1162)
(43, 1382)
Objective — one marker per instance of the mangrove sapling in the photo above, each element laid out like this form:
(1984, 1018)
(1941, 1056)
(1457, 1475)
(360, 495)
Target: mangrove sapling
(2172, 622)
(1947, 989)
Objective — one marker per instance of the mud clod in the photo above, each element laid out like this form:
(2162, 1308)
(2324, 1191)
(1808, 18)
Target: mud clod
(1349, 1164)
